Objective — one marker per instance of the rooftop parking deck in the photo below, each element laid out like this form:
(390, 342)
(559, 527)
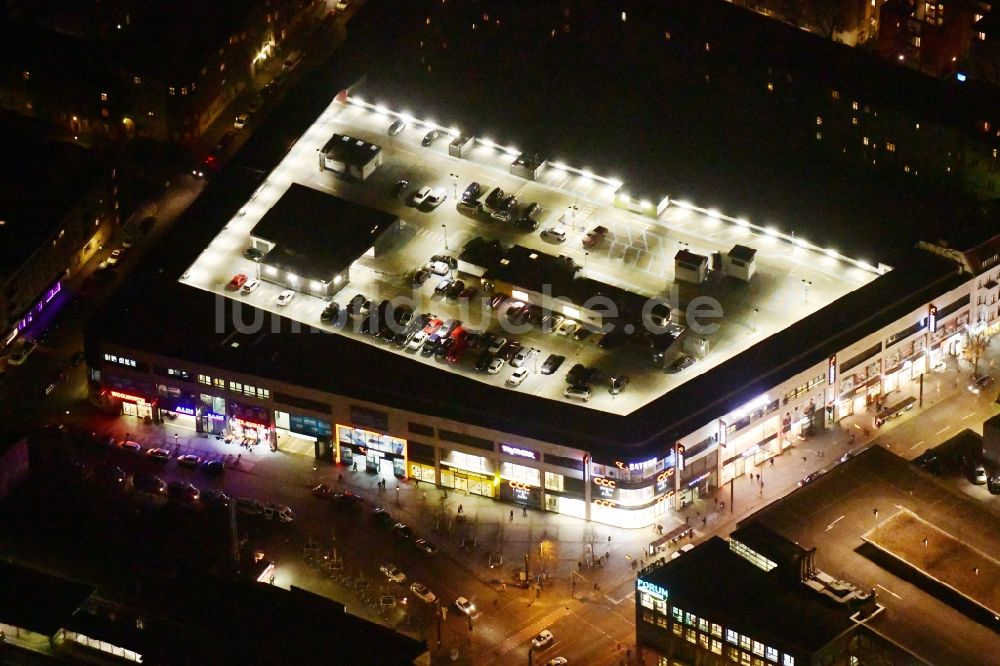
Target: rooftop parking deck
(792, 278)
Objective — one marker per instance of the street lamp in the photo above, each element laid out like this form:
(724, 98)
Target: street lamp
(454, 182)
(445, 227)
(755, 310)
(585, 255)
(875, 511)
(805, 285)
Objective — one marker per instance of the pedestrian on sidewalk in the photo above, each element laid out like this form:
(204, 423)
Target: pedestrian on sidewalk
(459, 509)
(512, 515)
(771, 460)
(524, 512)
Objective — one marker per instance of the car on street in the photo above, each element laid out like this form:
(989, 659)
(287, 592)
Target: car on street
(392, 572)
(430, 138)
(129, 445)
(425, 545)
(213, 467)
(421, 195)
(567, 327)
(981, 384)
(979, 475)
(114, 257)
(506, 210)
(237, 282)
(809, 478)
(517, 377)
(183, 490)
(557, 661)
(423, 593)
(383, 517)
(443, 285)
(330, 312)
(346, 499)
(400, 187)
(581, 393)
(241, 121)
(215, 497)
(250, 286)
(551, 322)
(543, 638)
(188, 460)
(617, 384)
(147, 483)
(454, 289)
(158, 454)
(552, 363)
(402, 530)
(396, 127)
(285, 297)
(465, 606)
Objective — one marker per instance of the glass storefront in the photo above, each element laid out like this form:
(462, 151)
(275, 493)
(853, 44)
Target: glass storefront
(473, 483)
(423, 472)
(355, 445)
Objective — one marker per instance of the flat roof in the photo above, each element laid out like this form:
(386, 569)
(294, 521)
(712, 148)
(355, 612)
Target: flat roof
(38, 601)
(834, 515)
(713, 582)
(316, 234)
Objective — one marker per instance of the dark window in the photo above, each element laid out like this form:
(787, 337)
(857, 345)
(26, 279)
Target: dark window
(571, 485)
(369, 418)
(477, 442)
(860, 358)
(421, 429)
(905, 333)
(945, 311)
(692, 451)
(562, 461)
(421, 453)
(301, 403)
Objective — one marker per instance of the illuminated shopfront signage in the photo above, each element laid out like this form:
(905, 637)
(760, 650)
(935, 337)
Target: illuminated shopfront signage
(636, 467)
(753, 405)
(520, 453)
(130, 398)
(520, 491)
(248, 424)
(607, 503)
(695, 481)
(831, 371)
(932, 318)
(184, 410)
(652, 588)
(605, 487)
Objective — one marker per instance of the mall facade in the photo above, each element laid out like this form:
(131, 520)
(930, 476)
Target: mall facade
(861, 361)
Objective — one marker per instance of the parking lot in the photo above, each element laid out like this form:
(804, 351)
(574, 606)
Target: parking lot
(791, 281)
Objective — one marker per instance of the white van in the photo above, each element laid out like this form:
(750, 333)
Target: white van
(292, 61)
(581, 393)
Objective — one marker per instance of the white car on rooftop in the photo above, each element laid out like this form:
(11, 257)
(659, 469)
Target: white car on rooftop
(416, 341)
(250, 286)
(421, 195)
(517, 377)
(437, 197)
(286, 297)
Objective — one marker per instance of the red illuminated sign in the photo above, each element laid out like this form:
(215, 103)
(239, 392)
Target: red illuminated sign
(249, 424)
(126, 396)
(517, 485)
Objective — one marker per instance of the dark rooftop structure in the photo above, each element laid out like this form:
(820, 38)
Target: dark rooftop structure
(44, 182)
(317, 235)
(715, 583)
(834, 515)
(743, 253)
(350, 150)
(38, 601)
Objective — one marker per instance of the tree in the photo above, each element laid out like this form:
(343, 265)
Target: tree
(975, 346)
(590, 540)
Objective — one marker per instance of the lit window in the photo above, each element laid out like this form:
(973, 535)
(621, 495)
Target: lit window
(708, 47)
(26, 75)
(865, 141)
(104, 113)
(646, 600)
(136, 80)
(770, 87)
(703, 641)
(690, 619)
(854, 120)
(171, 90)
(716, 629)
(835, 94)
(184, 90)
(104, 97)
(732, 637)
(771, 654)
(758, 648)
(716, 646)
(981, 36)
(854, 105)
(677, 613)
(819, 136)
(819, 120)
(744, 642)
(219, 383)
(691, 635)
(789, 660)
(666, 36)
(702, 624)
(891, 147)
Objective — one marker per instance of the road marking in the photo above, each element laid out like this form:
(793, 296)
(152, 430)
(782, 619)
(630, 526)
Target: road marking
(916, 445)
(830, 526)
(889, 591)
(616, 602)
(942, 430)
(968, 416)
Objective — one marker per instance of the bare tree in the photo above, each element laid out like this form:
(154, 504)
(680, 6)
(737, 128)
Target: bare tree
(975, 346)
(590, 539)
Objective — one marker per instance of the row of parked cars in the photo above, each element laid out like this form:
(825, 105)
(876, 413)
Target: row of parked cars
(498, 206)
